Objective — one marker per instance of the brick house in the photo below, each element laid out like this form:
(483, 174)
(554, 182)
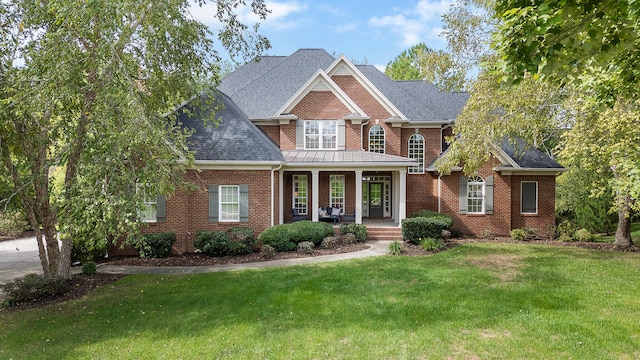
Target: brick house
(308, 131)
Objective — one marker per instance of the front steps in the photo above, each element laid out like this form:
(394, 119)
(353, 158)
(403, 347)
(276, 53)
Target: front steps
(385, 233)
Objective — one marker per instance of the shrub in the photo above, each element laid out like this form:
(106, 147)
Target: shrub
(278, 237)
(448, 219)
(241, 239)
(153, 245)
(414, 229)
(518, 234)
(89, 268)
(359, 230)
(530, 233)
(487, 235)
(305, 247)
(314, 232)
(395, 248)
(12, 223)
(32, 287)
(349, 238)
(566, 229)
(584, 235)
(267, 251)
(212, 243)
(83, 249)
(431, 244)
(329, 242)
(565, 238)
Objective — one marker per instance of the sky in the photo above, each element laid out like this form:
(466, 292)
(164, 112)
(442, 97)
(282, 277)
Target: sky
(365, 31)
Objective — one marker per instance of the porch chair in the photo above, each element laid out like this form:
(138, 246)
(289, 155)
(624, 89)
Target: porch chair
(298, 217)
(335, 215)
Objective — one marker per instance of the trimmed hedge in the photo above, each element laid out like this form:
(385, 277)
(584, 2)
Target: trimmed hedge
(235, 241)
(415, 229)
(359, 230)
(286, 237)
(448, 219)
(156, 245)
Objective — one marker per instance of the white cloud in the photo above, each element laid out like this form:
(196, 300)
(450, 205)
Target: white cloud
(409, 30)
(428, 10)
(276, 19)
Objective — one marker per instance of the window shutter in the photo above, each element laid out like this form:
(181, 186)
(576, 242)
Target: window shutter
(161, 208)
(299, 134)
(488, 195)
(462, 195)
(244, 203)
(213, 203)
(341, 134)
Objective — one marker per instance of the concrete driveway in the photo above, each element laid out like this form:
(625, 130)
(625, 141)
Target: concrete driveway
(18, 258)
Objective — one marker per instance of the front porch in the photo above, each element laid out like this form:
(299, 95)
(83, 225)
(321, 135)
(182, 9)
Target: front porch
(380, 229)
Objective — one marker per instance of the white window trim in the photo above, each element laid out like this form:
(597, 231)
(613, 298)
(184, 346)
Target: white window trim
(336, 179)
(379, 137)
(321, 126)
(300, 178)
(521, 199)
(221, 203)
(418, 169)
(473, 181)
(148, 202)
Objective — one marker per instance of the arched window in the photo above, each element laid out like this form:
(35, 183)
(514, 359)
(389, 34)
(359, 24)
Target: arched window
(376, 139)
(475, 195)
(416, 151)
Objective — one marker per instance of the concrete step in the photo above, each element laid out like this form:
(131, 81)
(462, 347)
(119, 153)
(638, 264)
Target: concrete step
(384, 234)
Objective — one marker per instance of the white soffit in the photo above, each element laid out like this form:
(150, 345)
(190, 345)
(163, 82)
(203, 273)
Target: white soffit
(342, 66)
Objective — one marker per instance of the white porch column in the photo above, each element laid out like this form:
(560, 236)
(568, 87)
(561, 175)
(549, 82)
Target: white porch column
(281, 196)
(358, 197)
(402, 198)
(315, 194)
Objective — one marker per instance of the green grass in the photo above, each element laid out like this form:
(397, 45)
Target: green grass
(483, 301)
(635, 235)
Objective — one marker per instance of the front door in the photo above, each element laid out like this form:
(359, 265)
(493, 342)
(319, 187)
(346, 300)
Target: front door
(375, 200)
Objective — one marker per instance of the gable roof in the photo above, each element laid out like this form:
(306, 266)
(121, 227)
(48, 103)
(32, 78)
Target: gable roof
(235, 138)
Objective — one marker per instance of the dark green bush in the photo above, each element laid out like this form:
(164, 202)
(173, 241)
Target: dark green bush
(83, 249)
(212, 243)
(278, 237)
(518, 234)
(32, 287)
(314, 232)
(415, 229)
(153, 245)
(359, 230)
(448, 219)
(89, 268)
(242, 240)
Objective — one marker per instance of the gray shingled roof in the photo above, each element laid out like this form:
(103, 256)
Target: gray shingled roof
(234, 139)
(528, 157)
(267, 85)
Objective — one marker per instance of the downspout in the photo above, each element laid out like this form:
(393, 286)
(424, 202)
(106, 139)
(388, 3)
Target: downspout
(439, 194)
(362, 134)
(273, 172)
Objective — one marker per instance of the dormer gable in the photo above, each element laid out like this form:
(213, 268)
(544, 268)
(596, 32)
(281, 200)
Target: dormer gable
(343, 66)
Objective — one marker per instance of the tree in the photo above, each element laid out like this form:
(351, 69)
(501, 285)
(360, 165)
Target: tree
(90, 103)
(421, 63)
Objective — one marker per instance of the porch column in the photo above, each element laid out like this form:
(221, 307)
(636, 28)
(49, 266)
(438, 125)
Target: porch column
(315, 194)
(358, 197)
(402, 198)
(280, 197)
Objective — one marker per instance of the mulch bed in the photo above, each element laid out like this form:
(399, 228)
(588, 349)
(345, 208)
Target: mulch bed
(81, 284)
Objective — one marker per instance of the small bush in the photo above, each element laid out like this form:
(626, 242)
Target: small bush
(584, 235)
(89, 268)
(530, 233)
(446, 218)
(278, 237)
(431, 244)
(566, 228)
(565, 238)
(153, 245)
(13, 223)
(242, 240)
(518, 234)
(267, 252)
(305, 247)
(414, 229)
(395, 248)
(349, 238)
(329, 242)
(487, 235)
(212, 243)
(285, 237)
(359, 230)
(32, 287)
(84, 249)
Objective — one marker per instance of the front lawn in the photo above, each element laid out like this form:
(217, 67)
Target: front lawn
(483, 300)
(635, 235)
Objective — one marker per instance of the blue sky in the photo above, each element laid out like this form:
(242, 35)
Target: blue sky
(374, 31)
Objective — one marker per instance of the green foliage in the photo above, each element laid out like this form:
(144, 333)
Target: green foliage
(235, 241)
(349, 238)
(448, 219)
(267, 252)
(285, 237)
(359, 230)
(415, 229)
(89, 268)
(305, 247)
(329, 242)
(518, 234)
(278, 237)
(32, 287)
(432, 244)
(395, 248)
(88, 249)
(566, 230)
(13, 223)
(487, 235)
(584, 235)
(156, 245)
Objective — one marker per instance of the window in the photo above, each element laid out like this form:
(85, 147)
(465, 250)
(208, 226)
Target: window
(149, 210)
(376, 139)
(229, 203)
(529, 197)
(154, 206)
(320, 135)
(475, 195)
(416, 151)
(300, 193)
(337, 191)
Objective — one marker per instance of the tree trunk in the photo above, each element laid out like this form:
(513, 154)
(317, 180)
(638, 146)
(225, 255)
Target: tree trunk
(623, 233)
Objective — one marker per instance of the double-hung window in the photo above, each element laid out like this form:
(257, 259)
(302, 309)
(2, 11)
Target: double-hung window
(229, 203)
(321, 135)
(337, 191)
(475, 195)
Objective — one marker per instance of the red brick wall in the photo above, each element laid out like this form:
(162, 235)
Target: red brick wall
(272, 131)
(318, 105)
(546, 204)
